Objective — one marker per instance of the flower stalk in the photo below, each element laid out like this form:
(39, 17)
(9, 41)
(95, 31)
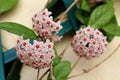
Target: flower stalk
(38, 74)
(75, 64)
(44, 74)
(68, 9)
(97, 65)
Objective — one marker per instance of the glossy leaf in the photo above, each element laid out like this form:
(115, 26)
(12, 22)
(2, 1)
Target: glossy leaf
(109, 36)
(56, 60)
(55, 9)
(6, 5)
(80, 15)
(85, 6)
(62, 70)
(113, 20)
(48, 77)
(51, 3)
(14, 73)
(17, 29)
(112, 29)
(109, 2)
(101, 16)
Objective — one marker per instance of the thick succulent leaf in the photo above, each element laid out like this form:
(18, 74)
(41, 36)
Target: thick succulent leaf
(62, 70)
(79, 14)
(101, 16)
(112, 29)
(85, 6)
(17, 29)
(6, 5)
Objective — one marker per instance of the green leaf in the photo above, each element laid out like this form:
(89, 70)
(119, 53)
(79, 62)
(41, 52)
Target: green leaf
(57, 10)
(80, 15)
(6, 5)
(62, 70)
(109, 2)
(56, 60)
(112, 29)
(17, 29)
(48, 77)
(14, 73)
(51, 3)
(113, 20)
(85, 6)
(109, 36)
(101, 16)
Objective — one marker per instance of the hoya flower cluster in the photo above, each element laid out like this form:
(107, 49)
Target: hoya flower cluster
(37, 55)
(44, 25)
(89, 43)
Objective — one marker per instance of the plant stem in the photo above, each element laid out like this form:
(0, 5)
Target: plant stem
(61, 55)
(75, 64)
(38, 74)
(61, 18)
(68, 9)
(97, 65)
(44, 74)
(47, 3)
(64, 14)
(4, 47)
(63, 52)
(51, 73)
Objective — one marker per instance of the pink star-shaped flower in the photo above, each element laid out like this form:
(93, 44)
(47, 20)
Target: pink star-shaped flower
(37, 55)
(44, 25)
(89, 42)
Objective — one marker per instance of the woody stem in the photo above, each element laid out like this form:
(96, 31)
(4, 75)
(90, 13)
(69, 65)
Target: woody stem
(75, 64)
(38, 74)
(51, 73)
(68, 9)
(44, 74)
(97, 65)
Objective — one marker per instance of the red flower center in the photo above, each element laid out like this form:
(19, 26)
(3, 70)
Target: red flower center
(33, 62)
(46, 32)
(80, 32)
(81, 48)
(18, 41)
(88, 30)
(21, 55)
(35, 15)
(84, 39)
(41, 56)
(49, 46)
(37, 46)
(94, 42)
(38, 22)
(29, 54)
(97, 33)
(24, 44)
(57, 28)
(51, 56)
(48, 22)
(44, 13)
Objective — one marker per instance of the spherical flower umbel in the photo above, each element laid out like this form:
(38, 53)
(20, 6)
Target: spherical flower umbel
(37, 55)
(89, 42)
(44, 25)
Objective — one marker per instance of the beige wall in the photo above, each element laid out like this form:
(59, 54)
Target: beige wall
(109, 70)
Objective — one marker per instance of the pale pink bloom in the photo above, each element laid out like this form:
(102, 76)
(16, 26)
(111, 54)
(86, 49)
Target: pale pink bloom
(44, 25)
(37, 55)
(89, 42)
